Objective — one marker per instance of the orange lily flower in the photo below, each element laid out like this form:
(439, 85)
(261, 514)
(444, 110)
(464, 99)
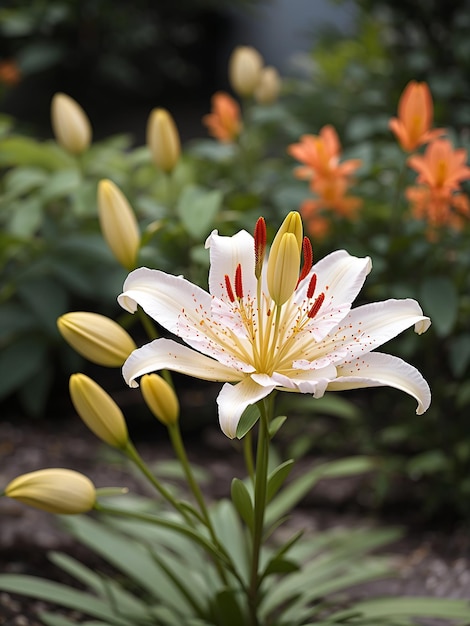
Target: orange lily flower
(332, 194)
(441, 167)
(440, 171)
(321, 153)
(412, 127)
(10, 73)
(316, 222)
(224, 121)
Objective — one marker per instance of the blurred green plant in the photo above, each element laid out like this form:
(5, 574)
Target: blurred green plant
(140, 48)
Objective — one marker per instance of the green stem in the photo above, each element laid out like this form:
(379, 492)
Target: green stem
(261, 475)
(180, 451)
(135, 457)
(248, 454)
(396, 213)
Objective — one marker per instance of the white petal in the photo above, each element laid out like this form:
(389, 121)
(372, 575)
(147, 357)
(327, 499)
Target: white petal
(164, 297)
(234, 399)
(167, 354)
(185, 310)
(367, 327)
(340, 277)
(377, 370)
(225, 254)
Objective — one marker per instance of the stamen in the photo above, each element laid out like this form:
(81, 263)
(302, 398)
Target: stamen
(311, 286)
(316, 305)
(308, 258)
(238, 282)
(260, 245)
(228, 287)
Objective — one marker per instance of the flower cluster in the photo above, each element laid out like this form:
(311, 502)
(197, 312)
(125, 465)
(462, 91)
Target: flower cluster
(329, 178)
(437, 198)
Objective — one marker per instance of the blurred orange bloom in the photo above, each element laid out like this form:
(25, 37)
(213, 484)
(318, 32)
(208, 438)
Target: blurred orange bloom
(224, 121)
(440, 171)
(412, 127)
(438, 209)
(332, 194)
(329, 179)
(441, 167)
(321, 153)
(9, 72)
(316, 223)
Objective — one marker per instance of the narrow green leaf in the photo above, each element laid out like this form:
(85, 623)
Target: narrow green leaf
(242, 501)
(276, 424)
(439, 608)
(298, 488)
(248, 419)
(61, 595)
(281, 566)
(227, 609)
(277, 477)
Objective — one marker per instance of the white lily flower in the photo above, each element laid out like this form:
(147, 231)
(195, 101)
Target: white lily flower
(311, 343)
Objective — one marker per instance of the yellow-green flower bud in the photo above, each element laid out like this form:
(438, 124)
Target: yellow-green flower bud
(283, 269)
(98, 338)
(54, 490)
(269, 86)
(281, 262)
(163, 139)
(245, 65)
(118, 223)
(160, 398)
(98, 410)
(70, 123)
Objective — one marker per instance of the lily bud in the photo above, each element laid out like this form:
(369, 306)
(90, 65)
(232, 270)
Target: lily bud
(160, 398)
(163, 139)
(96, 337)
(60, 491)
(118, 223)
(283, 269)
(98, 410)
(70, 123)
(245, 65)
(269, 86)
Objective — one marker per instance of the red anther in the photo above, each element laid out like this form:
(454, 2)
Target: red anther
(238, 282)
(308, 258)
(316, 305)
(260, 245)
(311, 286)
(228, 287)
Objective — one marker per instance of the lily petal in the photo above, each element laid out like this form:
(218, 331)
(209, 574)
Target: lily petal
(376, 370)
(234, 399)
(226, 253)
(167, 354)
(366, 328)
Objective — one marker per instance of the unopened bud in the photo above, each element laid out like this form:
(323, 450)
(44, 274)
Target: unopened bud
(163, 139)
(60, 491)
(269, 86)
(118, 223)
(160, 398)
(70, 124)
(98, 410)
(245, 66)
(98, 338)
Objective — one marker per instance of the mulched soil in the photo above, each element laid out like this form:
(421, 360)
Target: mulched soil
(430, 561)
